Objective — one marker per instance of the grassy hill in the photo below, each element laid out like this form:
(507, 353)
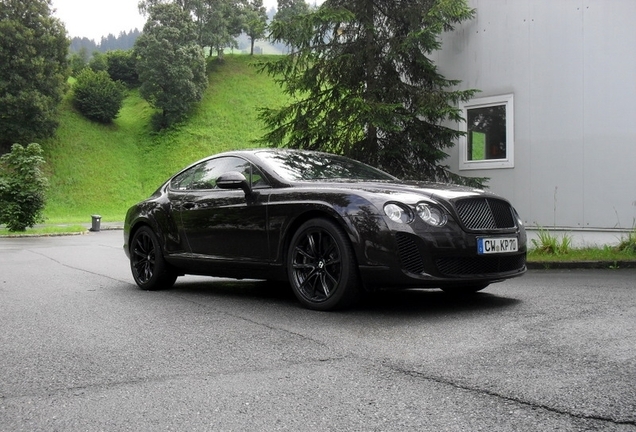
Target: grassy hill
(103, 169)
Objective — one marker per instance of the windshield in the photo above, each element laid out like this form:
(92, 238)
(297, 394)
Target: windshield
(308, 165)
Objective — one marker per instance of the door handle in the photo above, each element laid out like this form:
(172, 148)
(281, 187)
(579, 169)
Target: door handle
(189, 206)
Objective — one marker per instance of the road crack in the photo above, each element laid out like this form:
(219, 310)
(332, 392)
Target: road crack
(477, 390)
(76, 268)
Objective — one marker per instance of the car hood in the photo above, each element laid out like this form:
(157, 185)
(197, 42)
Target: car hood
(397, 190)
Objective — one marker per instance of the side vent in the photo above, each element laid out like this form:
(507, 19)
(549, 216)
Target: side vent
(409, 253)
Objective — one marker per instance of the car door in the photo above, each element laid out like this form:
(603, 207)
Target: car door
(220, 223)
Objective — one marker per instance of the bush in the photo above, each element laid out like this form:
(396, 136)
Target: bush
(97, 96)
(548, 244)
(77, 64)
(98, 62)
(628, 244)
(122, 66)
(22, 187)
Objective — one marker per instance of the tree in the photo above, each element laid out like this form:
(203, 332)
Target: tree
(255, 21)
(122, 66)
(78, 61)
(218, 22)
(363, 84)
(33, 70)
(98, 62)
(171, 64)
(97, 96)
(22, 187)
(288, 9)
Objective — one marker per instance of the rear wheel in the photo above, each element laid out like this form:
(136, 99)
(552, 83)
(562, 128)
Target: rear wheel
(466, 289)
(321, 266)
(149, 268)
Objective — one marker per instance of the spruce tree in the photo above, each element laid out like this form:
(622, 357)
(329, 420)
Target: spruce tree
(363, 84)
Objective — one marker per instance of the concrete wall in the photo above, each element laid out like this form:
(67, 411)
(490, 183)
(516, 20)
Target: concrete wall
(571, 65)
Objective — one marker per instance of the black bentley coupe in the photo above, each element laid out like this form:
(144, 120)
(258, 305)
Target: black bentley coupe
(331, 226)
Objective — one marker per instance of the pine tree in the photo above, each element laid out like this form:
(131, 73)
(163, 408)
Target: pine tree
(362, 84)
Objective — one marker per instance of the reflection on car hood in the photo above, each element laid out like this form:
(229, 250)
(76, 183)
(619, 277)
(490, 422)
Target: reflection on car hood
(431, 190)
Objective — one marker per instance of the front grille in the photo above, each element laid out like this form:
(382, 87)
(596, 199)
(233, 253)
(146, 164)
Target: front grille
(464, 266)
(408, 253)
(485, 213)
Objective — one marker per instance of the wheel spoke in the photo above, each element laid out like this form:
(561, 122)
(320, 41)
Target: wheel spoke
(324, 284)
(307, 280)
(331, 277)
(305, 254)
(144, 258)
(313, 248)
(331, 247)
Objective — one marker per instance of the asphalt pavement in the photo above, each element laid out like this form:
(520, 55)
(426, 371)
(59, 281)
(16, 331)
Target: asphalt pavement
(82, 348)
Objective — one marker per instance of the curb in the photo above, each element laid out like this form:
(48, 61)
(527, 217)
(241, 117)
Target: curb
(109, 226)
(558, 265)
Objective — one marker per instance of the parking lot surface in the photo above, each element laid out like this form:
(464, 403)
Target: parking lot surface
(82, 348)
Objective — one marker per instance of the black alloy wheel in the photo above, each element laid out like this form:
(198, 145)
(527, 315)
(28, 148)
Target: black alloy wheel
(321, 266)
(149, 268)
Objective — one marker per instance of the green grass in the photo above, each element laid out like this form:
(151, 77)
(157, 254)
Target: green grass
(550, 248)
(104, 169)
(605, 253)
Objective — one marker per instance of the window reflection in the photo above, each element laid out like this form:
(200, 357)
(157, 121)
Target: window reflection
(204, 175)
(294, 166)
(486, 133)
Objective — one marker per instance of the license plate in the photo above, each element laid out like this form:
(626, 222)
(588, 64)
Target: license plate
(497, 245)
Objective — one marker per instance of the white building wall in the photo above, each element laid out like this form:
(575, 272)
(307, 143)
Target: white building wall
(571, 65)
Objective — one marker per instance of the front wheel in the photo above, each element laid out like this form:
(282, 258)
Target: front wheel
(321, 266)
(149, 268)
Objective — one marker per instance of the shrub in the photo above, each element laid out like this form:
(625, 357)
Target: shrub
(77, 64)
(548, 244)
(97, 96)
(22, 187)
(628, 244)
(122, 66)
(98, 62)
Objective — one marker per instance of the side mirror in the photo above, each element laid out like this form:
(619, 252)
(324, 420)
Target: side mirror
(233, 180)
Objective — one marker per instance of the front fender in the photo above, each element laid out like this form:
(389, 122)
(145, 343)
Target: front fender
(159, 218)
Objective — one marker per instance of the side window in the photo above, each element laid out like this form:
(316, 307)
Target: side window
(258, 179)
(489, 139)
(183, 180)
(204, 175)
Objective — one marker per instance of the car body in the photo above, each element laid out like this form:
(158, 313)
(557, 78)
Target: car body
(330, 226)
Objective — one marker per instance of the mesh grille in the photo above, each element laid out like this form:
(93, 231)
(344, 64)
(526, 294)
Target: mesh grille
(485, 213)
(409, 254)
(480, 265)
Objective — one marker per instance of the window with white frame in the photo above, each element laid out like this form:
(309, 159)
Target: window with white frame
(489, 139)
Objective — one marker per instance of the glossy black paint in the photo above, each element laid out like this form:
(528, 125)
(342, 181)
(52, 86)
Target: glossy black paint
(243, 226)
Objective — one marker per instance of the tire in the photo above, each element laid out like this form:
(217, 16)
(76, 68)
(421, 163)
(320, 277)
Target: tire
(321, 266)
(466, 289)
(149, 268)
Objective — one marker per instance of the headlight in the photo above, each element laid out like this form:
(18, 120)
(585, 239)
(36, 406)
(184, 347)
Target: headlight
(397, 214)
(431, 215)
(519, 221)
